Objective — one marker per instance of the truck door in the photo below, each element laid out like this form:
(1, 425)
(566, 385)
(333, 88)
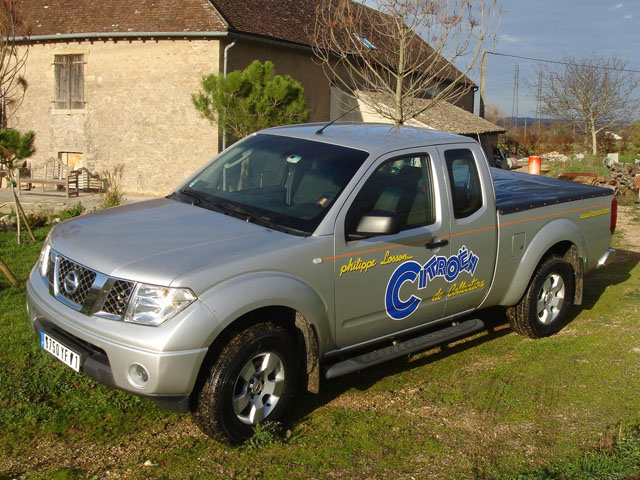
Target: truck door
(473, 236)
(381, 283)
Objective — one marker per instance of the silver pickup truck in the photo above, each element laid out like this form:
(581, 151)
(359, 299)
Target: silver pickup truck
(303, 252)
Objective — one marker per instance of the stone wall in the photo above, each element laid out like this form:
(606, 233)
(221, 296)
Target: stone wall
(138, 109)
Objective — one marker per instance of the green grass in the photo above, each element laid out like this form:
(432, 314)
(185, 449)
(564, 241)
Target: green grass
(617, 457)
(590, 164)
(493, 406)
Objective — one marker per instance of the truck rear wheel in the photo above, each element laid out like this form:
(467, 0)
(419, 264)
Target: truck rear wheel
(544, 308)
(251, 381)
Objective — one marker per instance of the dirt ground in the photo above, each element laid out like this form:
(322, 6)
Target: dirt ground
(629, 225)
(51, 202)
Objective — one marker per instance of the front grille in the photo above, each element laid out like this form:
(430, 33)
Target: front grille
(86, 290)
(74, 281)
(118, 297)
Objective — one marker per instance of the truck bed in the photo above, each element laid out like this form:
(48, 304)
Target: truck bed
(517, 192)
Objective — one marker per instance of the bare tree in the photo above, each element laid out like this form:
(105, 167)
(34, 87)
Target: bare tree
(389, 53)
(594, 92)
(13, 59)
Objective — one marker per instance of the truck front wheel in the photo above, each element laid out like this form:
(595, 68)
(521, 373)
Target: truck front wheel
(544, 308)
(251, 381)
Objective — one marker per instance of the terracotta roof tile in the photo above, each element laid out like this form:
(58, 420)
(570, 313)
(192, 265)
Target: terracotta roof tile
(287, 20)
(443, 116)
(447, 117)
(51, 17)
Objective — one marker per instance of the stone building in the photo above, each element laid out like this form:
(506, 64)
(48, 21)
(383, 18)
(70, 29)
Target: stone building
(111, 82)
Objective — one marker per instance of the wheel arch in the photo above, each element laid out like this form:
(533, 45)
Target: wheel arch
(296, 325)
(274, 297)
(560, 237)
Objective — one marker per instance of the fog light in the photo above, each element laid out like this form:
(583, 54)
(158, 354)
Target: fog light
(138, 375)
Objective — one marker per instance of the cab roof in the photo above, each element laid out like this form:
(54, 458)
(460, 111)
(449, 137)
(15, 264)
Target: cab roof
(368, 136)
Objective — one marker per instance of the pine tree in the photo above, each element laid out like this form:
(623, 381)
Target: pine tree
(250, 100)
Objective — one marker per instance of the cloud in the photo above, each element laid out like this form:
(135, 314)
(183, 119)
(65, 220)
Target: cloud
(618, 6)
(628, 17)
(509, 38)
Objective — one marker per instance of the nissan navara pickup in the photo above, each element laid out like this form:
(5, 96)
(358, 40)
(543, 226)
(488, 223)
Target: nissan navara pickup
(300, 253)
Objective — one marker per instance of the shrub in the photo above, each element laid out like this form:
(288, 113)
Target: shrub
(74, 211)
(113, 196)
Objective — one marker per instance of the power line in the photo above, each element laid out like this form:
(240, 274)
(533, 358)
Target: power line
(563, 63)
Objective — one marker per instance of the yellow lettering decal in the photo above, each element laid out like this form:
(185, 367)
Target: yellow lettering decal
(363, 266)
(464, 287)
(438, 296)
(595, 213)
(388, 258)
(357, 266)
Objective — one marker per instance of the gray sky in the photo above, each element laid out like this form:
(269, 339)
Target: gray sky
(549, 29)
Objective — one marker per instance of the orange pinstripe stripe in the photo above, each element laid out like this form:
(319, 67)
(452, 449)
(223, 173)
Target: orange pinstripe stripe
(540, 217)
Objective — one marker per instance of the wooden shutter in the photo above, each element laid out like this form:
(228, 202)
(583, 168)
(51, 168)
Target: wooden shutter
(69, 76)
(61, 63)
(76, 81)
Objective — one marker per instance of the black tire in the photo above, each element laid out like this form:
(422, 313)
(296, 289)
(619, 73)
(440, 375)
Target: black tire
(535, 316)
(225, 388)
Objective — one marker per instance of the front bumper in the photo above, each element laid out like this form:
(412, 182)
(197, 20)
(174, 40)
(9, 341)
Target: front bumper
(171, 375)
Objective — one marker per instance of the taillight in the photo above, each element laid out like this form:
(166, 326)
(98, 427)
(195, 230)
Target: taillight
(614, 214)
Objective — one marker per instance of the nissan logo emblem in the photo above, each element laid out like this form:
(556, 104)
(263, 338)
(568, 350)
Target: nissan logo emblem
(71, 282)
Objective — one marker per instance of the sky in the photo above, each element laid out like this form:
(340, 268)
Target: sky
(550, 29)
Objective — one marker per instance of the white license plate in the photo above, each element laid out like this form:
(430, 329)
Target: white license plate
(58, 350)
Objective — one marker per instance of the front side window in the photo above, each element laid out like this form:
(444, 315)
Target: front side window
(402, 186)
(282, 182)
(466, 192)
(69, 78)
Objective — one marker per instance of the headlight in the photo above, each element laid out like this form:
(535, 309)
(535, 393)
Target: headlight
(45, 258)
(152, 305)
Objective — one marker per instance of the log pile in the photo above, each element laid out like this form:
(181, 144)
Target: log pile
(626, 178)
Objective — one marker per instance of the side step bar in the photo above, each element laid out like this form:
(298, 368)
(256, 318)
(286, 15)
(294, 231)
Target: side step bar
(423, 342)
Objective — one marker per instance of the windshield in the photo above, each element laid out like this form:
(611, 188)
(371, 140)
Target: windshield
(282, 182)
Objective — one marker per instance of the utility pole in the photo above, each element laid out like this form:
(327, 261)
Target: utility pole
(539, 103)
(514, 106)
(483, 82)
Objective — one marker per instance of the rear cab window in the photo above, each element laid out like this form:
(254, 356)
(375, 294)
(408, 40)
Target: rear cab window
(464, 181)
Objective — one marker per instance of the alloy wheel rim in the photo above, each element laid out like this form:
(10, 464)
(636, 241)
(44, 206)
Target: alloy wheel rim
(258, 388)
(550, 299)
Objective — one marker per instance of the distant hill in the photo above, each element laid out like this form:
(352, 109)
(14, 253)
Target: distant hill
(522, 121)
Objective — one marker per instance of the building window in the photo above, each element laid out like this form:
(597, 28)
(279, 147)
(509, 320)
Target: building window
(69, 74)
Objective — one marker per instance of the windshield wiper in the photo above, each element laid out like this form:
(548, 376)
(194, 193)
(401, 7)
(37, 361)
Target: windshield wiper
(242, 211)
(195, 195)
(253, 216)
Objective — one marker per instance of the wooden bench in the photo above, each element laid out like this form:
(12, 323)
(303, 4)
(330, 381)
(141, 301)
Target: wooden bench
(53, 172)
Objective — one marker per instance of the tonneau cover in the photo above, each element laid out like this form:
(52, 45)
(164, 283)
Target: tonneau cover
(516, 192)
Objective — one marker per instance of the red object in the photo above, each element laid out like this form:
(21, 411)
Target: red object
(535, 165)
(614, 214)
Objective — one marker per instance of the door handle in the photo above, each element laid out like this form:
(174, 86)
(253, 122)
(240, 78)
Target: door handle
(433, 244)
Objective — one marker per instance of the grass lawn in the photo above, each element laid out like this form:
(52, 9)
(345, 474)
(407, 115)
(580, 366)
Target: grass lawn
(496, 405)
(591, 164)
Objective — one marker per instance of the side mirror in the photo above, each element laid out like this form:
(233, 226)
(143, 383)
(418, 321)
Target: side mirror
(376, 222)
